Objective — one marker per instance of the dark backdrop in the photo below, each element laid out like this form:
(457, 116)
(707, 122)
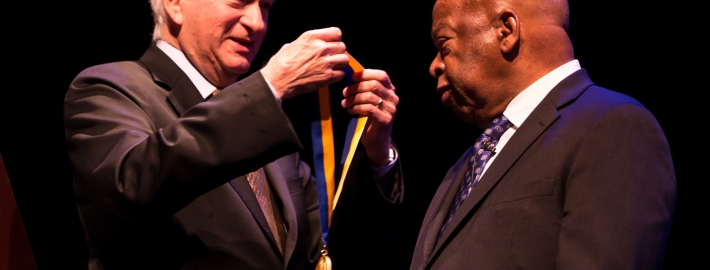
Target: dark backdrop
(638, 50)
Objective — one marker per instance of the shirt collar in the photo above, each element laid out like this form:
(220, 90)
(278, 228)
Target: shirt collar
(524, 103)
(202, 85)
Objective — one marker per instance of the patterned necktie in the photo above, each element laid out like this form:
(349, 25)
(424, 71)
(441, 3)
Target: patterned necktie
(483, 149)
(267, 203)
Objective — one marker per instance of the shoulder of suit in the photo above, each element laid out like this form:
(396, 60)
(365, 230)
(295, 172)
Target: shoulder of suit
(599, 105)
(123, 76)
(600, 99)
(113, 70)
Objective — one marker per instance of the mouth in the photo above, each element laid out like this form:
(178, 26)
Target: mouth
(244, 44)
(445, 93)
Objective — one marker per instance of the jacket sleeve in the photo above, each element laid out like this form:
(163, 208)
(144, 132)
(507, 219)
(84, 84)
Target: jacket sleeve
(129, 158)
(366, 215)
(620, 195)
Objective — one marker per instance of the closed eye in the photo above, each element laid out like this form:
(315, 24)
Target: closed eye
(266, 5)
(237, 3)
(442, 46)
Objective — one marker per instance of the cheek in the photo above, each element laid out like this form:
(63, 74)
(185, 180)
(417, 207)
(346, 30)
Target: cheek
(458, 70)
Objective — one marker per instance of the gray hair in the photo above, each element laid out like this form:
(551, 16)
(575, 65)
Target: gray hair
(159, 18)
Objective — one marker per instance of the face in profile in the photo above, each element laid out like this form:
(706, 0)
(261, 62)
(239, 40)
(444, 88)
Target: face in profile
(223, 35)
(465, 65)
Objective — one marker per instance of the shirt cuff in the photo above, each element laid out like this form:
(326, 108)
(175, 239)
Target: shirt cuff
(273, 91)
(388, 179)
(380, 172)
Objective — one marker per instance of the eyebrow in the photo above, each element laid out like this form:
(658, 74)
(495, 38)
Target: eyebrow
(439, 27)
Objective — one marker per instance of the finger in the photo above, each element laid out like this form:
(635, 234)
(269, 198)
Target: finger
(362, 98)
(337, 61)
(377, 75)
(334, 76)
(368, 86)
(333, 47)
(371, 111)
(371, 99)
(325, 34)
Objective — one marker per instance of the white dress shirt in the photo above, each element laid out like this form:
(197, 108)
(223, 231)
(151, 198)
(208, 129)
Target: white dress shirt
(524, 103)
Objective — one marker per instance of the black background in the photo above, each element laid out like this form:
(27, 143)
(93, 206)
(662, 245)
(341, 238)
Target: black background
(637, 49)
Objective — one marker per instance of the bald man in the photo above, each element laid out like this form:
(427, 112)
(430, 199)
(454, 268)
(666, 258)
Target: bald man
(566, 175)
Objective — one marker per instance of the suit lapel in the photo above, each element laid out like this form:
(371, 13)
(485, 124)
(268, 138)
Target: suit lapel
(183, 93)
(537, 122)
(241, 186)
(439, 208)
(281, 191)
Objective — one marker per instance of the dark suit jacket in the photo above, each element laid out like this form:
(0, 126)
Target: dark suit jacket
(586, 182)
(159, 173)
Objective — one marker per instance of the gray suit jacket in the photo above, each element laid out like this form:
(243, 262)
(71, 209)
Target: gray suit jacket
(159, 171)
(586, 182)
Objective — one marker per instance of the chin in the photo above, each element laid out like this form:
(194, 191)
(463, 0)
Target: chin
(237, 70)
(465, 116)
(237, 64)
(467, 119)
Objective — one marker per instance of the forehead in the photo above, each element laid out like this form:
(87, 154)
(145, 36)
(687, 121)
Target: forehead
(451, 14)
(446, 15)
(448, 11)
(445, 8)
(441, 16)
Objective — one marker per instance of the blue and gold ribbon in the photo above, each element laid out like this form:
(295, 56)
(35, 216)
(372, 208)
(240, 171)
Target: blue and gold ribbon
(324, 149)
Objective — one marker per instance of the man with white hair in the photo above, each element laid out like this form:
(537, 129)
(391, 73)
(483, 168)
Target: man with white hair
(170, 174)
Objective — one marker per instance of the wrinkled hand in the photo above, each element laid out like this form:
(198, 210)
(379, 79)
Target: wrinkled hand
(315, 59)
(362, 99)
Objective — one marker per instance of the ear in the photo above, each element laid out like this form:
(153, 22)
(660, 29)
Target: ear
(173, 8)
(508, 30)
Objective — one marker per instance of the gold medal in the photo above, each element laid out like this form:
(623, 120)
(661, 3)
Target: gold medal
(324, 261)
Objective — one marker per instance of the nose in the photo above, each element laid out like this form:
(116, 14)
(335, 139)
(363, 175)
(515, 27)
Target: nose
(252, 18)
(437, 66)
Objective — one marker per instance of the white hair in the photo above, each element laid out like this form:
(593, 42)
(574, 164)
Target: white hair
(159, 18)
